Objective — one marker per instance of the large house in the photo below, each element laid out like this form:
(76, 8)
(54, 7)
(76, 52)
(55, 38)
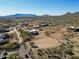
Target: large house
(75, 29)
(44, 24)
(3, 37)
(3, 55)
(33, 32)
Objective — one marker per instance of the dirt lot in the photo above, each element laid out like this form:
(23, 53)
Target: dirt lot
(43, 41)
(46, 42)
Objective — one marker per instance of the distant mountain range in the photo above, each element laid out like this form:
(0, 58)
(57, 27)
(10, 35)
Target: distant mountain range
(32, 15)
(18, 15)
(72, 14)
(68, 14)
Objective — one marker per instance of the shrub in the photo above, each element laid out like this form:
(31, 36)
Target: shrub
(4, 42)
(47, 33)
(25, 35)
(14, 56)
(11, 45)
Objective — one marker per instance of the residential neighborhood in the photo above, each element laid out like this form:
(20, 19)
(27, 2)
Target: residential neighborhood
(39, 29)
(23, 40)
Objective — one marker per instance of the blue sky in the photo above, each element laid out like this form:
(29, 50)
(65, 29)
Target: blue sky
(39, 7)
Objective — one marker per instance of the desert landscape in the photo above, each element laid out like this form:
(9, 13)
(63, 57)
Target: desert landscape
(39, 29)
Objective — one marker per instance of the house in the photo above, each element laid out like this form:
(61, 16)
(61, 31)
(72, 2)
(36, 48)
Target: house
(36, 26)
(43, 24)
(5, 28)
(3, 37)
(33, 32)
(3, 55)
(23, 24)
(2, 30)
(75, 29)
(72, 27)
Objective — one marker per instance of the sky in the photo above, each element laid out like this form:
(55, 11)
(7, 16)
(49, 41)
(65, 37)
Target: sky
(38, 7)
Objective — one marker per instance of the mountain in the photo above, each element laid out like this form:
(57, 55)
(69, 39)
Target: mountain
(19, 15)
(68, 17)
(68, 13)
(72, 14)
(24, 15)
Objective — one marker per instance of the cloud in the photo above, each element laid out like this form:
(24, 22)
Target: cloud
(4, 12)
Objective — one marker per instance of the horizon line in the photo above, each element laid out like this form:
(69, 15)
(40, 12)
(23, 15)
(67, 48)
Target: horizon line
(37, 14)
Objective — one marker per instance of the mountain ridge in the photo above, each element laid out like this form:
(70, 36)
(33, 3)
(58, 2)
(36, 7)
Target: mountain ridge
(18, 15)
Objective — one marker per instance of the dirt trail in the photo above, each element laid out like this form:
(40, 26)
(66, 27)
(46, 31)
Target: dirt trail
(18, 35)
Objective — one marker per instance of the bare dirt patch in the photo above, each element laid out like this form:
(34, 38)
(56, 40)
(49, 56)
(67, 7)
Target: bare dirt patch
(43, 41)
(46, 42)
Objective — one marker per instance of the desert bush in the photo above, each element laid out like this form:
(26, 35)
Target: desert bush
(11, 45)
(25, 35)
(4, 42)
(47, 33)
(14, 56)
(31, 43)
(40, 29)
